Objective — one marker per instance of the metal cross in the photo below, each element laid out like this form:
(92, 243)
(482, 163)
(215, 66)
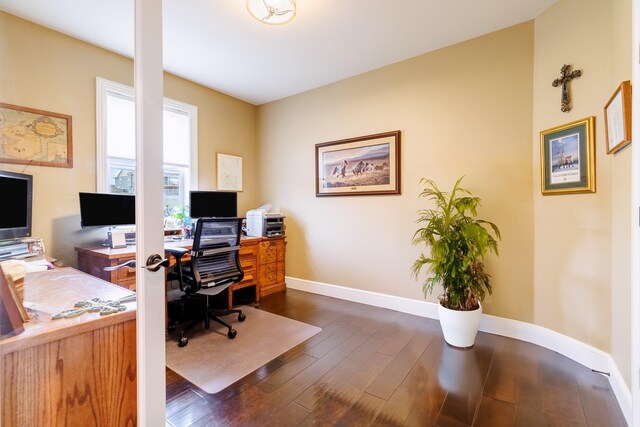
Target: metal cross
(565, 78)
(95, 305)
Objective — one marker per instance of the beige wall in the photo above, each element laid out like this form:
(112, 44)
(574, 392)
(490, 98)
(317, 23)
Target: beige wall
(463, 110)
(581, 272)
(621, 207)
(47, 70)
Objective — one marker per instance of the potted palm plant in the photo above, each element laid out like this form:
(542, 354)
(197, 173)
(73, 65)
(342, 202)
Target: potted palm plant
(458, 244)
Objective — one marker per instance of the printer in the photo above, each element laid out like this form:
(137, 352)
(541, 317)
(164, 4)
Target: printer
(262, 223)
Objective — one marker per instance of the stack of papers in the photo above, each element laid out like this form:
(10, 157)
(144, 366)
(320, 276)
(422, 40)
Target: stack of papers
(18, 268)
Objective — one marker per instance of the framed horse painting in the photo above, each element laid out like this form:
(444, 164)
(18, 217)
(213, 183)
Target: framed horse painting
(365, 165)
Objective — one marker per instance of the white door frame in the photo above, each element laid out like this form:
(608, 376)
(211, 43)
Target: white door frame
(150, 287)
(635, 206)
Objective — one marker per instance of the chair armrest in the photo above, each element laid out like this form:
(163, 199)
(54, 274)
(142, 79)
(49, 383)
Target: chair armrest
(176, 274)
(177, 252)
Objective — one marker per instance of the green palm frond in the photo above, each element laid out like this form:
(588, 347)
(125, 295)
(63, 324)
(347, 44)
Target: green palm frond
(458, 244)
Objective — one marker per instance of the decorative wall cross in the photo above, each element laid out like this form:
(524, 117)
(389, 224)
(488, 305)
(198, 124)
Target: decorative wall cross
(566, 76)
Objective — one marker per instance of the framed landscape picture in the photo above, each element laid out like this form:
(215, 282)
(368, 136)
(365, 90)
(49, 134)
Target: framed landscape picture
(567, 158)
(364, 165)
(35, 137)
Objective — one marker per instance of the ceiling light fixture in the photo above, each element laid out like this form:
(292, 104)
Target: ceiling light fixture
(272, 12)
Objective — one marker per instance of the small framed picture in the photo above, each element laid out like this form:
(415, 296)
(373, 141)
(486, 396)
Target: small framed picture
(365, 165)
(229, 169)
(567, 158)
(617, 118)
(12, 312)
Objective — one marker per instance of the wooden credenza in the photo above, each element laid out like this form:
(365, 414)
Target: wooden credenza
(261, 258)
(73, 372)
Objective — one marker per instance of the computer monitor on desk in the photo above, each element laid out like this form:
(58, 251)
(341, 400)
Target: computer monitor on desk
(221, 204)
(15, 220)
(17, 189)
(112, 210)
(101, 209)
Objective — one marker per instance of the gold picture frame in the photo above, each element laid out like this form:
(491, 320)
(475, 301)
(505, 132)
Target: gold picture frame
(35, 137)
(567, 158)
(365, 165)
(617, 118)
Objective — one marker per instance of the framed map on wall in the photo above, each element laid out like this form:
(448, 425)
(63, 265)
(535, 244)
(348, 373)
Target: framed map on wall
(35, 137)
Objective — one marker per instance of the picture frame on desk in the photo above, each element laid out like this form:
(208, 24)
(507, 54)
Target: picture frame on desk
(12, 312)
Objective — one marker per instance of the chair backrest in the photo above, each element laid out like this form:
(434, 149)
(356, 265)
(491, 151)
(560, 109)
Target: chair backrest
(215, 257)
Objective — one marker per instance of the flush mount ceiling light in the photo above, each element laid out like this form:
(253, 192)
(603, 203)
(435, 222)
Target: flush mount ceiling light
(272, 12)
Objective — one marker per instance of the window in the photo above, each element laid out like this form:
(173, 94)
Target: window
(116, 151)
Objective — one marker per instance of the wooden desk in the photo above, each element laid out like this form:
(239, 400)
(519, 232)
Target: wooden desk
(261, 258)
(79, 371)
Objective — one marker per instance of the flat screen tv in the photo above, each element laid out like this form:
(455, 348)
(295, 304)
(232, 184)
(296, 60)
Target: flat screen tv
(221, 204)
(100, 209)
(17, 193)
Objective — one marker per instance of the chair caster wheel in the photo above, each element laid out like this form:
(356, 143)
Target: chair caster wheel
(231, 334)
(171, 328)
(241, 317)
(183, 341)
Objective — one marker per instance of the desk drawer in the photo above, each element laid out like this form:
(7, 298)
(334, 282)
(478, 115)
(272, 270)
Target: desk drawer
(248, 262)
(249, 276)
(249, 250)
(126, 273)
(268, 252)
(268, 274)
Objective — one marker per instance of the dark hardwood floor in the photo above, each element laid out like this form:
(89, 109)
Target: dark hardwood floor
(375, 367)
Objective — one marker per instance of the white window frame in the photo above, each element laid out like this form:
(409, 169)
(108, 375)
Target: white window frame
(105, 88)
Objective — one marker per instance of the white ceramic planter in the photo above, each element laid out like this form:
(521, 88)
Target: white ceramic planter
(459, 327)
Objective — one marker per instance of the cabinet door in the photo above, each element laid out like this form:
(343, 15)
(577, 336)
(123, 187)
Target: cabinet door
(268, 252)
(268, 274)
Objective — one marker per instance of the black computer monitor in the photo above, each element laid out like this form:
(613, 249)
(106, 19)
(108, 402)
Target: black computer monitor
(17, 192)
(203, 204)
(99, 209)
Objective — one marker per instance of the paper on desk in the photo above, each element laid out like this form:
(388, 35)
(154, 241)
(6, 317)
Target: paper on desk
(17, 268)
(35, 265)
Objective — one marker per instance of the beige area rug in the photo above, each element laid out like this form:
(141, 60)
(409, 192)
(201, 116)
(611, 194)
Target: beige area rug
(212, 361)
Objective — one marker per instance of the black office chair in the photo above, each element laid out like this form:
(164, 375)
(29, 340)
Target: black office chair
(214, 266)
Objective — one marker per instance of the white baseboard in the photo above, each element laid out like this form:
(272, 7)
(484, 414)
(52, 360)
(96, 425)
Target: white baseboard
(582, 353)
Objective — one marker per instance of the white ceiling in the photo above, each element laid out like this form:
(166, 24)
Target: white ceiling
(218, 44)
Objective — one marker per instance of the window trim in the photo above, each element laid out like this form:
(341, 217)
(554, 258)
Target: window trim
(105, 88)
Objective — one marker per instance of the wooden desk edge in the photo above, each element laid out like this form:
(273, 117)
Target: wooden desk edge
(24, 340)
(39, 332)
(108, 253)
